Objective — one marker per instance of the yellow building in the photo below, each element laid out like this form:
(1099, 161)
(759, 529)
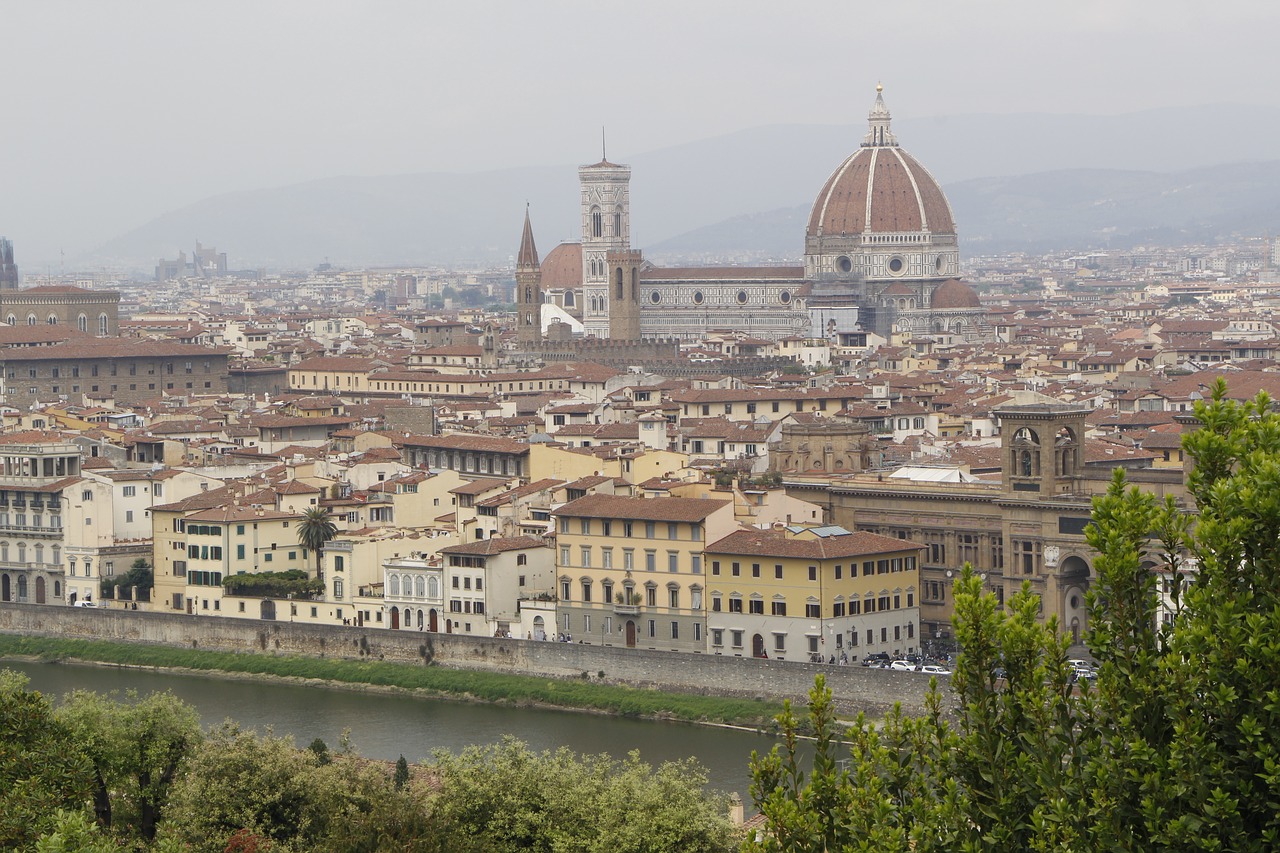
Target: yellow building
(630, 572)
(207, 537)
(800, 593)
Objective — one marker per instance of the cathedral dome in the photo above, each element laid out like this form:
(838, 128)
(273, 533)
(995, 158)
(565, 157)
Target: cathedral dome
(880, 189)
(954, 294)
(562, 267)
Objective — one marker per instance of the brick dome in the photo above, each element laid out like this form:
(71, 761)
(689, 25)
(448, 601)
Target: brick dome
(880, 189)
(954, 294)
(562, 267)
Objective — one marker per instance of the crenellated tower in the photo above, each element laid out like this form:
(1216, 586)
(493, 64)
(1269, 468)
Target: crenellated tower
(528, 289)
(624, 294)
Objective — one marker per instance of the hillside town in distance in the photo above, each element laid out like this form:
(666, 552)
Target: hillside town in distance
(784, 461)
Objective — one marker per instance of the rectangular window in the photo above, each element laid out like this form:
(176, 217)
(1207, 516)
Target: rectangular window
(653, 628)
(673, 561)
(697, 632)
(735, 605)
(837, 609)
(130, 491)
(838, 569)
(779, 642)
(737, 569)
(717, 636)
(777, 571)
(627, 529)
(813, 573)
(650, 529)
(564, 556)
(586, 591)
(239, 552)
(586, 526)
(696, 563)
(715, 567)
(628, 559)
(715, 604)
(586, 624)
(755, 570)
(651, 596)
(756, 605)
(606, 558)
(564, 590)
(650, 561)
(813, 611)
(779, 608)
(586, 556)
(737, 639)
(673, 598)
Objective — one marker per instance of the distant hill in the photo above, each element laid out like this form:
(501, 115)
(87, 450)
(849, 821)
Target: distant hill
(1065, 209)
(1075, 177)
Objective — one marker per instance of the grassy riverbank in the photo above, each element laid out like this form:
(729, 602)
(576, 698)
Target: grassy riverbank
(585, 694)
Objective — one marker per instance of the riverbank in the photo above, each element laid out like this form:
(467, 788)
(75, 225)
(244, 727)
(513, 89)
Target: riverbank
(590, 693)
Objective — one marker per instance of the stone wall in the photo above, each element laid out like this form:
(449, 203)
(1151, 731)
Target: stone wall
(856, 688)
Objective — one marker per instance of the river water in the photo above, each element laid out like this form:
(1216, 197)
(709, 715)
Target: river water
(385, 726)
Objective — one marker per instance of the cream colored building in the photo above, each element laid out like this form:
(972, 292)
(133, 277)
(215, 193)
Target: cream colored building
(630, 570)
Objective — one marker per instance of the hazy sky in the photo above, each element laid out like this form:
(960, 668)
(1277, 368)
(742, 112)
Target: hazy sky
(113, 113)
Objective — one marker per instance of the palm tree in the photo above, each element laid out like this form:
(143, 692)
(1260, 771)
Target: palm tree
(317, 528)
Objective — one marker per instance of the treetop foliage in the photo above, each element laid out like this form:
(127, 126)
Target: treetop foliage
(1175, 747)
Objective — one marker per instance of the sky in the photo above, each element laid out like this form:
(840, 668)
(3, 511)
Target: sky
(113, 113)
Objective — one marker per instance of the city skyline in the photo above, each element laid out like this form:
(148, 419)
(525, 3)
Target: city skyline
(121, 117)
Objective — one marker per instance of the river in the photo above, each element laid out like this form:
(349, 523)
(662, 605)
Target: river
(385, 726)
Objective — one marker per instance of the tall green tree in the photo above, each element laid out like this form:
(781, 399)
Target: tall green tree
(315, 529)
(42, 768)
(1177, 747)
(136, 747)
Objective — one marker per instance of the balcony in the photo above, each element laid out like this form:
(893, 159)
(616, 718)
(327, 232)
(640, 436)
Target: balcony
(627, 609)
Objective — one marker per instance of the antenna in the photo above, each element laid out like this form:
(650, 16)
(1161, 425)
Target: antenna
(603, 154)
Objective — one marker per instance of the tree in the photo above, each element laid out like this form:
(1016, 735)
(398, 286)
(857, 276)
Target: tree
(136, 749)
(41, 767)
(513, 799)
(315, 529)
(1177, 746)
(402, 773)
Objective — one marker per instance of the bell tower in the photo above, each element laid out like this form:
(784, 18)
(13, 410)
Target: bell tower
(606, 227)
(528, 290)
(624, 294)
(1042, 448)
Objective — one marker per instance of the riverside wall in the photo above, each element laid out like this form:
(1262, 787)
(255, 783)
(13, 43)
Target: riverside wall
(854, 687)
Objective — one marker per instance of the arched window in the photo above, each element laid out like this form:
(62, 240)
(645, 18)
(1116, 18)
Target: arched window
(618, 280)
(82, 323)
(22, 555)
(597, 223)
(395, 584)
(617, 222)
(569, 299)
(102, 325)
(53, 320)
(57, 555)
(4, 552)
(433, 587)
(421, 586)
(635, 284)
(39, 554)
(31, 320)
(12, 320)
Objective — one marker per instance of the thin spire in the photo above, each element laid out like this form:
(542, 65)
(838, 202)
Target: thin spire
(604, 153)
(878, 133)
(527, 257)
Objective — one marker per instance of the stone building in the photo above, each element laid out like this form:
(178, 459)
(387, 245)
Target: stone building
(95, 312)
(130, 370)
(1027, 527)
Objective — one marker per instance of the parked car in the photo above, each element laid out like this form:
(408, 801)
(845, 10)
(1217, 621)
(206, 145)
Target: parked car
(934, 669)
(876, 659)
(84, 604)
(902, 666)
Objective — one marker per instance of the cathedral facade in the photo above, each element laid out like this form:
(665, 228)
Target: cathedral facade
(880, 255)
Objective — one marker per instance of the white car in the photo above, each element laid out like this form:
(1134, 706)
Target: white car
(934, 669)
(902, 666)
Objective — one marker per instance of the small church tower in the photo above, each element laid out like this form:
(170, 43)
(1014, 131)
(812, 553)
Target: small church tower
(528, 290)
(1043, 447)
(624, 294)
